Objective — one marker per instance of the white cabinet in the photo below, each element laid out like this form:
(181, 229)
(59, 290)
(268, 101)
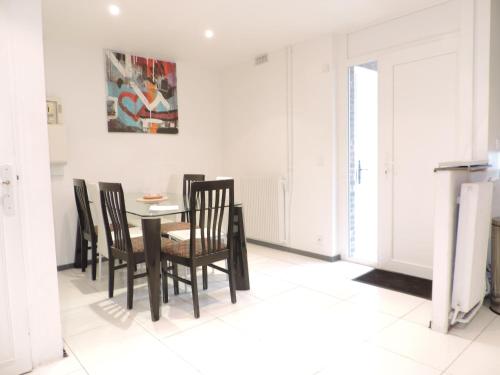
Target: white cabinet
(57, 144)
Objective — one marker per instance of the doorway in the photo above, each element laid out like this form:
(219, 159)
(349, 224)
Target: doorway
(363, 163)
(418, 123)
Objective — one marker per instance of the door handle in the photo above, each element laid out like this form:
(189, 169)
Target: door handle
(389, 168)
(6, 193)
(359, 170)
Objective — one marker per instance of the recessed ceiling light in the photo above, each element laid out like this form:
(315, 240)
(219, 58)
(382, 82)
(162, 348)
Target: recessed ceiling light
(209, 34)
(114, 10)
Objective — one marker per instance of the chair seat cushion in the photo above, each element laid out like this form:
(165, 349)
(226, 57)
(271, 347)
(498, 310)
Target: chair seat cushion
(181, 248)
(138, 244)
(176, 248)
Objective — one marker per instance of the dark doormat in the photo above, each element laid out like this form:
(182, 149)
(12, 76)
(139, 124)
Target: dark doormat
(398, 282)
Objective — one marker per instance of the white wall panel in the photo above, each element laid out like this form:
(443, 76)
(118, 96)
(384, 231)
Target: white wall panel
(427, 23)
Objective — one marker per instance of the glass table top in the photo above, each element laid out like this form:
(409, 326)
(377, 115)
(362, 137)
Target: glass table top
(172, 205)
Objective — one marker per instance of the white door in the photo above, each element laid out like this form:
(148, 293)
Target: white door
(363, 162)
(419, 96)
(15, 354)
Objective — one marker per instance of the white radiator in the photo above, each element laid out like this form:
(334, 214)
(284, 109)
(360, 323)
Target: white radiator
(263, 201)
(471, 249)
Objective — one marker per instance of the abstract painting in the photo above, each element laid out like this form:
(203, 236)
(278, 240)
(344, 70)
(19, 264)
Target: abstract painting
(141, 94)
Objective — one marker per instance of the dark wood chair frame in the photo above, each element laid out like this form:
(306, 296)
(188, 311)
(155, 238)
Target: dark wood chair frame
(210, 217)
(187, 180)
(113, 208)
(86, 225)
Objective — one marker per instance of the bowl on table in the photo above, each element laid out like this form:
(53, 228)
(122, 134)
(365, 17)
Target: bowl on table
(152, 198)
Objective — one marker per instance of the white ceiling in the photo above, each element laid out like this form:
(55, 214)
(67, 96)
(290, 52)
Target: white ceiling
(243, 28)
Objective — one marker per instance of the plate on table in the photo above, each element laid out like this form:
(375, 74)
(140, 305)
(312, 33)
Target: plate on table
(152, 198)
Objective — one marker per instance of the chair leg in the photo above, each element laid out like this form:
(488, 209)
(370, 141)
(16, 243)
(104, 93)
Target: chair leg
(164, 280)
(100, 266)
(94, 260)
(205, 277)
(194, 291)
(175, 271)
(232, 289)
(111, 265)
(83, 254)
(130, 283)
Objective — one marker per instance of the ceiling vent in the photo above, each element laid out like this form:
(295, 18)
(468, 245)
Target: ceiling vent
(261, 59)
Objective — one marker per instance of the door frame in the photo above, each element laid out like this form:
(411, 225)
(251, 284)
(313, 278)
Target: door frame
(32, 185)
(429, 47)
(387, 64)
(13, 284)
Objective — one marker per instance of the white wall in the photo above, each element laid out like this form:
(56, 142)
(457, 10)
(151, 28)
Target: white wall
(254, 118)
(76, 75)
(258, 103)
(312, 206)
(438, 20)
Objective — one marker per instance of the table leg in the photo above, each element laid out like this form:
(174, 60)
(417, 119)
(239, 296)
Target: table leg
(78, 247)
(152, 244)
(240, 260)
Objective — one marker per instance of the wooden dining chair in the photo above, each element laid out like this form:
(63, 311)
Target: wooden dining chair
(210, 202)
(186, 188)
(88, 231)
(120, 244)
(187, 180)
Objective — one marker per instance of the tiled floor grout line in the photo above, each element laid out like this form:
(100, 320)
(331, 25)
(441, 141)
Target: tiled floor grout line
(175, 333)
(135, 320)
(468, 346)
(446, 369)
(457, 357)
(399, 354)
(160, 340)
(330, 295)
(76, 357)
(412, 310)
(404, 356)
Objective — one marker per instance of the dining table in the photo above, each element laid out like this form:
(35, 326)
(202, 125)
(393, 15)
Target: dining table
(168, 208)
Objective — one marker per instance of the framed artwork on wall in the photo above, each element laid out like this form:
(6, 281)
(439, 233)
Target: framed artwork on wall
(141, 94)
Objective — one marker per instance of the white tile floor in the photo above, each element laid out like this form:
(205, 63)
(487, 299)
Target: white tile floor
(301, 316)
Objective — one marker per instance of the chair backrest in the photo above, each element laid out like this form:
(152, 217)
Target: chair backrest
(95, 208)
(113, 208)
(187, 180)
(208, 202)
(83, 208)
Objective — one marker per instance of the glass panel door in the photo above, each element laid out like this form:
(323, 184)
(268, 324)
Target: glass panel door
(363, 162)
